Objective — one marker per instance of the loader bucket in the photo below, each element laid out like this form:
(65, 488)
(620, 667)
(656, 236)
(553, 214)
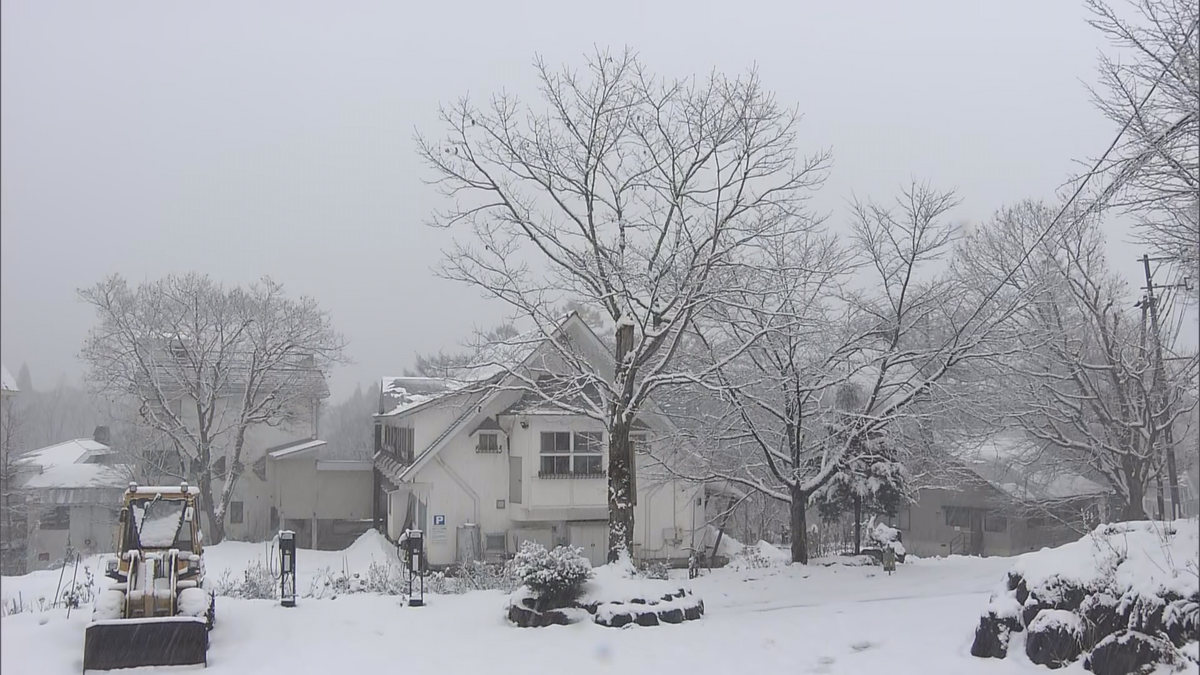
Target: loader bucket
(160, 641)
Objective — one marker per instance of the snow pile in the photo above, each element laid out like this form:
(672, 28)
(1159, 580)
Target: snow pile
(883, 536)
(759, 556)
(1093, 594)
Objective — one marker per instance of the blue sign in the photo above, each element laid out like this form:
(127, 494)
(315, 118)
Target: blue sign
(439, 520)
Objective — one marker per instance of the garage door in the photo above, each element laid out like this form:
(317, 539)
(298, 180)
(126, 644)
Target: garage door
(592, 537)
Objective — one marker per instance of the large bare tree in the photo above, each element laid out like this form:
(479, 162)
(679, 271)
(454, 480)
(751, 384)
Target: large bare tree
(624, 192)
(204, 364)
(1081, 378)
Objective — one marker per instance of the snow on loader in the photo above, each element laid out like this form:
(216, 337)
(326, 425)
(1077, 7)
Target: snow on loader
(157, 613)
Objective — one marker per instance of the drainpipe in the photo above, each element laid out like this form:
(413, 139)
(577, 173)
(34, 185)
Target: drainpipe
(462, 484)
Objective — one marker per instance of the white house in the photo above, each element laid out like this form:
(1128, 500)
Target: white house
(71, 492)
(325, 501)
(481, 464)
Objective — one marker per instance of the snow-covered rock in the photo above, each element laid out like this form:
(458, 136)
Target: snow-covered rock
(1120, 580)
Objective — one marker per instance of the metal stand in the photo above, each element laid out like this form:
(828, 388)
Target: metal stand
(412, 542)
(287, 568)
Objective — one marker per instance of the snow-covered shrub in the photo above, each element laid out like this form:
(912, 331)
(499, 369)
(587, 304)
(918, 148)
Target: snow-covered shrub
(655, 570)
(482, 576)
(759, 556)
(883, 536)
(256, 583)
(384, 579)
(555, 577)
(79, 593)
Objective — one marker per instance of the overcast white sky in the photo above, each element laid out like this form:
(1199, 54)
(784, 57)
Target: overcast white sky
(243, 139)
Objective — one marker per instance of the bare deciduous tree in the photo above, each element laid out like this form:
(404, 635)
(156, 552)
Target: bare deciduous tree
(1152, 83)
(901, 344)
(626, 193)
(204, 364)
(1081, 378)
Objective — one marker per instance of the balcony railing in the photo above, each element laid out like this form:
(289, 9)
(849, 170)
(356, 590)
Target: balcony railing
(572, 475)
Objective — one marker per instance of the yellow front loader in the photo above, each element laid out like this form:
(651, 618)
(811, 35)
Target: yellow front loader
(157, 612)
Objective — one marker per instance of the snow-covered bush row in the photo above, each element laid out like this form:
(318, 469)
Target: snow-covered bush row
(256, 583)
(1124, 597)
(760, 556)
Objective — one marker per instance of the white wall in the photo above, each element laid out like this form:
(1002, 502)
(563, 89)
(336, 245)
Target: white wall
(93, 529)
(254, 493)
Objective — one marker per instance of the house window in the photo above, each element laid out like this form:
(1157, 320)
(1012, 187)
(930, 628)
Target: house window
(572, 454)
(588, 453)
(993, 523)
(488, 442)
(235, 512)
(57, 518)
(496, 542)
(43, 557)
(957, 516)
(1035, 523)
(399, 441)
(556, 453)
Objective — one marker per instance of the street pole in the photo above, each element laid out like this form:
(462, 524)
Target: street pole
(1159, 382)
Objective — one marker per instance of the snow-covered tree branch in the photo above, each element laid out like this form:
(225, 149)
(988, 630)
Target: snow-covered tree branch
(204, 364)
(626, 193)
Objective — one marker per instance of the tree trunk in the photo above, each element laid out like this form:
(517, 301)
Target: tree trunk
(1134, 509)
(857, 524)
(620, 498)
(620, 457)
(216, 528)
(799, 526)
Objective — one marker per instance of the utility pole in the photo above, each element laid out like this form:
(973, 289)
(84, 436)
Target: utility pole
(1143, 305)
(1159, 386)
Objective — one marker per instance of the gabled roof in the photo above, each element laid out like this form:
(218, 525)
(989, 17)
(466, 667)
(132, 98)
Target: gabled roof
(398, 395)
(71, 464)
(7, 383)
(1009, 464)
(304, 446)
(496, 364)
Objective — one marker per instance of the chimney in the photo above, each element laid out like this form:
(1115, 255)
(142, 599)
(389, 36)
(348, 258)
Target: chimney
(101, 435)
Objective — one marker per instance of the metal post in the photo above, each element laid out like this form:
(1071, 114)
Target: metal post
(287, 568)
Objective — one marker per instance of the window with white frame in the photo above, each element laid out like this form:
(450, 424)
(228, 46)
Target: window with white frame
(556, 453)
(488, 442)
(588, 453)
(572, 454)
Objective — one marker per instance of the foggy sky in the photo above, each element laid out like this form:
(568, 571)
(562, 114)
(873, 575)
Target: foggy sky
(243, 139)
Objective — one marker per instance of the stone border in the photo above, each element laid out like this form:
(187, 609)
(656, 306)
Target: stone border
(671, 608)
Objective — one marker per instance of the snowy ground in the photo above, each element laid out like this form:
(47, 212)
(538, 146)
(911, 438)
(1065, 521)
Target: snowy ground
(813, 619)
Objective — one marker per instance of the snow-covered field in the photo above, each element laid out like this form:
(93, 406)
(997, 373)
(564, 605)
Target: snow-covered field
(793, 619)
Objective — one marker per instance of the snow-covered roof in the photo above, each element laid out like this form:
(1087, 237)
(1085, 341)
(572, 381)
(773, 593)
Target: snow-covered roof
(71, 465)
(7, 383)
(295, 448)
(399, 395)
(1012, 465)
